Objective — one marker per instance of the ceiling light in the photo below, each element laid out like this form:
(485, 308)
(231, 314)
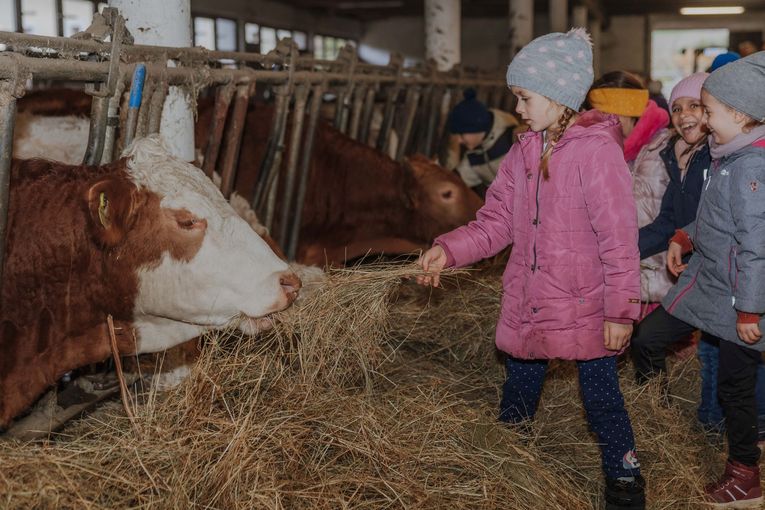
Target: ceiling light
(694, 11)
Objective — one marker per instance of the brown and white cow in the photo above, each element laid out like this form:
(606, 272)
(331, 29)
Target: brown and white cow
(148, 240)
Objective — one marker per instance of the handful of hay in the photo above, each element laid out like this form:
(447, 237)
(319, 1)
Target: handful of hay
(372, 393)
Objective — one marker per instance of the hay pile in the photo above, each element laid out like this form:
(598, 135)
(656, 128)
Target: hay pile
(371, 394)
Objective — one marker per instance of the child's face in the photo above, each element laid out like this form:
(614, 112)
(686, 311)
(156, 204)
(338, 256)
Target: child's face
(536, 110)
(689, 119)
(471, 140)
(723, 121)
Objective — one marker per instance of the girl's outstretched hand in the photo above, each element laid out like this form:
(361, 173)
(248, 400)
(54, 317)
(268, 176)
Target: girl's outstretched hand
(432, 261)
(617, 336)
(675, 259)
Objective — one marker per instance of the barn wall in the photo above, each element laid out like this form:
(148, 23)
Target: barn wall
(484, 40)
(624, 45)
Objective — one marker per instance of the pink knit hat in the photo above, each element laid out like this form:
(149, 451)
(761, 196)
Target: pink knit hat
(688, 87)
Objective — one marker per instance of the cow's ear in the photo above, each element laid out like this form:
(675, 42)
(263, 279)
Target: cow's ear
(111, 203)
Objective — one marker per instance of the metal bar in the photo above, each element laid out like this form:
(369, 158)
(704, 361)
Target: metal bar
(366, 115)
(234, 139)
(298, 116)
(7, 121)
(112, 122)
(276, 165)
(142, 126)
(136, 96)
(305, 167)
(267, 165)
(420, 125)
(223, 97)
(434, 114)
(340, 108)
(383, 138)
(358, 102)
(99, 110)
(67, 69)
(412, 98)
(157, 105)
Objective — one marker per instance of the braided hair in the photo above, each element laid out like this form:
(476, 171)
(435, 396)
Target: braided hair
(554, 136)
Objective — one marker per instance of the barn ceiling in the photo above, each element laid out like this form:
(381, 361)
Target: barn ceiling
(369, 10)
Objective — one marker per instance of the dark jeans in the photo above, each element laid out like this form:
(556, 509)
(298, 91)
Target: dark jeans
(737, 379)
(658, 331)
(603, 403)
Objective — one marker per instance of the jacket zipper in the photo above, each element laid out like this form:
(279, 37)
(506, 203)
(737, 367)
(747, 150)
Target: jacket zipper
(536, 221)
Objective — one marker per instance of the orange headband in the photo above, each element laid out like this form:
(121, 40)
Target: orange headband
(627, 102)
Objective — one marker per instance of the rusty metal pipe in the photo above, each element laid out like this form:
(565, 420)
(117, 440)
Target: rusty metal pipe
(434, 114)
(7, 122)
(412, 99)
(298, 116)
(99, 111)
(366, 115)
(157, 105)
(274, 141)
(234, 138)
(358, 102)
(305, 167)
(383, 138)
(112, 122)
(223, 96)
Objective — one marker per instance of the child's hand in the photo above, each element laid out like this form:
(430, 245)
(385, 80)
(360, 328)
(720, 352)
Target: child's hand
(617, 335)
(675, 259)
(749, 333)
(432, 261)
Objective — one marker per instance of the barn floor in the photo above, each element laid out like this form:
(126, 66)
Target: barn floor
(372, 394)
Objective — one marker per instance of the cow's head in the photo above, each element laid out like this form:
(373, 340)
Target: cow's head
(441, 199)
(200, 265)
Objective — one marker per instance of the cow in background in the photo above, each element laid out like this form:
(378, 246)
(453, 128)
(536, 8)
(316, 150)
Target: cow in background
(147, 239)
(358, 200)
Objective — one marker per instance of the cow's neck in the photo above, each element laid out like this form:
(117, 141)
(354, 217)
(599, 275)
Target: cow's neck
(57, 291)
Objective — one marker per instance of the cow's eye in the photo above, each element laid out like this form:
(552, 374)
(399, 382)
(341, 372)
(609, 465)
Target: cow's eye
(187, 223)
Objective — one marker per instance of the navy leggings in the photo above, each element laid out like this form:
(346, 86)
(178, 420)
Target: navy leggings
(603, 403)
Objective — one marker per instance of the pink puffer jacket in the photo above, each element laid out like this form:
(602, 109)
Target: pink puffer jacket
(575, 260)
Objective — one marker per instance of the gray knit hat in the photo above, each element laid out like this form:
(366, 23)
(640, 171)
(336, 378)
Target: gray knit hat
(741, 85)
(557, 66)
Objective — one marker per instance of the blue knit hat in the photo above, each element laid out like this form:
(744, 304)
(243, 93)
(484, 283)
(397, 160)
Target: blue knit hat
(470, 115)
(722, 59)
(557, 66)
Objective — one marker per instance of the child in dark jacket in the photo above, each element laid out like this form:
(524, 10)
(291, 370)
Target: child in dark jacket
(687, 161)
(722, 288)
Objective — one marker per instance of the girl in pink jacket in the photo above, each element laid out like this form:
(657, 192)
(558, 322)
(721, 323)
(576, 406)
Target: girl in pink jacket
(563, 199)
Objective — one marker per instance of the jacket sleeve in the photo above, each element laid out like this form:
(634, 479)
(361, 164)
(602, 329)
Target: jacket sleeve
(467, 173)
(654, 237)
(607, 188)
(748, 207)
(491, 231)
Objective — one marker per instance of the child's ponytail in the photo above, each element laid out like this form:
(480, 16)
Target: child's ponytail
(554, 135)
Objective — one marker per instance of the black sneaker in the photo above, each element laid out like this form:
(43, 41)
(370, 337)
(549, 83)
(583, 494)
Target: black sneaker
(624, 495)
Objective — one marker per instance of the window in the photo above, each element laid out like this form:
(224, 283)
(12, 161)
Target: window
(204, 32)
(327, 47)
(101, 5)
(252, 37)
(301, 39)
(78, 15)
(39, 17)
(225, 34)
(8, 15)
(267, 39)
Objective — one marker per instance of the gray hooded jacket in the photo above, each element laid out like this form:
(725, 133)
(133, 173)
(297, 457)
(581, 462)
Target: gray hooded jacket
(726, 273)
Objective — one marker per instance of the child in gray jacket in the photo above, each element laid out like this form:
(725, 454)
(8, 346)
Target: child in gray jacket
(722, 288)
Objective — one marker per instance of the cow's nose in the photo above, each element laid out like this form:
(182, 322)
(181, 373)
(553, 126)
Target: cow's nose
(291, 285)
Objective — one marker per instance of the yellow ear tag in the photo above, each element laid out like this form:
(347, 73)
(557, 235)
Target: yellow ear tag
(103, 203)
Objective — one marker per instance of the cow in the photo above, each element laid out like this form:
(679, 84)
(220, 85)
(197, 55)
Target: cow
(148, 240)
(358, 200)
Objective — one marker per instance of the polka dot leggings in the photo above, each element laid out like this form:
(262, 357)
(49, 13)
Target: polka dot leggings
(603, 403)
